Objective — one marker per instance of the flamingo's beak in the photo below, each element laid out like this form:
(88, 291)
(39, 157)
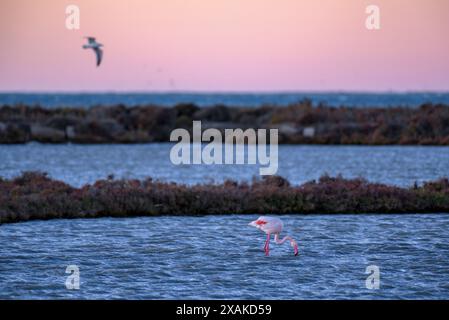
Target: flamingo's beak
(253, 223)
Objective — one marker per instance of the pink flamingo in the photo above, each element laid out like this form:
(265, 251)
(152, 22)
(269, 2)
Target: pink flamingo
(271, 225)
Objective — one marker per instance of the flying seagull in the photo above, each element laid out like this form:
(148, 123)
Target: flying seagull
(94, 45)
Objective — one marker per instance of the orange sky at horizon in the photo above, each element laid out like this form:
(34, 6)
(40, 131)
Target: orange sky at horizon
(225, 45)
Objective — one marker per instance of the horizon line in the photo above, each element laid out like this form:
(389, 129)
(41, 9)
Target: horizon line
(228, 92)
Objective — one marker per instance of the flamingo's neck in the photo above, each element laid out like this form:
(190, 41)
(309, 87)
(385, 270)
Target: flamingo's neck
(292, 241)
(276, 239)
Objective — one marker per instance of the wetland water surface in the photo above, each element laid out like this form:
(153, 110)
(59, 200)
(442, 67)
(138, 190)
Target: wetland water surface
(221, 257)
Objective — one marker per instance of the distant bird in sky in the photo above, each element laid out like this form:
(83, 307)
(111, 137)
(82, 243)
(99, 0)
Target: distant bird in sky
(272, 225)
(94, 45)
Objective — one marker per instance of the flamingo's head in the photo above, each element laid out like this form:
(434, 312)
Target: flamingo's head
(257, 223)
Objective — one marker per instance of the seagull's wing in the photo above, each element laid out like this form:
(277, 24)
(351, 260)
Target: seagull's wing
(99, 54)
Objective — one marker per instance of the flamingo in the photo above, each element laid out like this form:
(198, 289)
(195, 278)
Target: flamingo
(272, 225)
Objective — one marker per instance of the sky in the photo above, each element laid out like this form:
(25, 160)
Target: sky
(225, 46)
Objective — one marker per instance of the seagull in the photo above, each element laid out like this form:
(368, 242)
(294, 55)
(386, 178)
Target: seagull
(92, 44)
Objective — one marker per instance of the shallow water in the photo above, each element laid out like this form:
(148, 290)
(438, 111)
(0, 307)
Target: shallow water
(220, 257)
(81, 164)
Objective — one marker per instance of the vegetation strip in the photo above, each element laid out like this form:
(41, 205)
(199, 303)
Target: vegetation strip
(33, 195)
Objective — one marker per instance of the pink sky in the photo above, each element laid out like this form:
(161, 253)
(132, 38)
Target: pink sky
(225, 45)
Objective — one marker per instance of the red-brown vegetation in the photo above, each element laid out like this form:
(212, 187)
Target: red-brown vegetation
(36, 196)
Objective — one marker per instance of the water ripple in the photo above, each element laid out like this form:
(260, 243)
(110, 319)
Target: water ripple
(220, 257)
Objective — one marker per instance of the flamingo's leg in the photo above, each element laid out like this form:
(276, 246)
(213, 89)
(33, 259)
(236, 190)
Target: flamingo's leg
(267, 245)
(295, 248)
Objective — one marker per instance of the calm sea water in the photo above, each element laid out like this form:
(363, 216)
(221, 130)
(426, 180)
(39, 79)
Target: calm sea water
(50, 100)
(81, 164)
(220, 257)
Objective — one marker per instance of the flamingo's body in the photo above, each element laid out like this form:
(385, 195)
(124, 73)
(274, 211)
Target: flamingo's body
(272, 225)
